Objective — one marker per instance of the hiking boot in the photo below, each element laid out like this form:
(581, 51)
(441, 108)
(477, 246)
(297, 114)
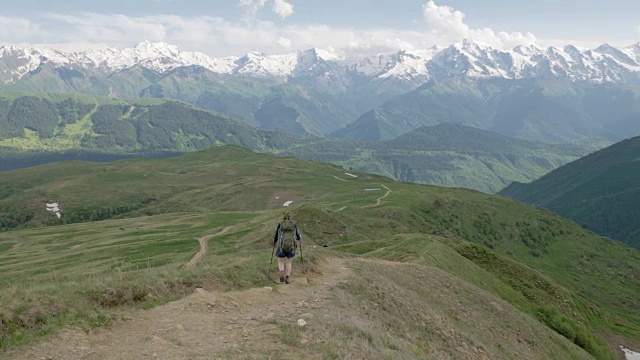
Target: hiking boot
(287, 280)
(281, 277)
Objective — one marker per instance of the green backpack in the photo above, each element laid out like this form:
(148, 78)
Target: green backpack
(287, 236)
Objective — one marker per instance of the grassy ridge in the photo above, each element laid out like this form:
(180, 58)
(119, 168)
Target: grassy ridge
(576, 283)
(448, 155)
(94, 269)
(34, 128)
(598, 191)
(400, 309)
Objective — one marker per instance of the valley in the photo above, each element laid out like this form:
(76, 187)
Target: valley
(597, 191)
(83, 127)
(463, 201)
(543, 271)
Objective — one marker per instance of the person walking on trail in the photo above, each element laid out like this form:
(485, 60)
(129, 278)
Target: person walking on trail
(287, 238)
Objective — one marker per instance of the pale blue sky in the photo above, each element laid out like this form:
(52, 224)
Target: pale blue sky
(231, 27)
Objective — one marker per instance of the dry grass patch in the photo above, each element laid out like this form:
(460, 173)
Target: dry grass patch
(404, 311)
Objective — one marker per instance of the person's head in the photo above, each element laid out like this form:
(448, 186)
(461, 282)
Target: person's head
(286, 215)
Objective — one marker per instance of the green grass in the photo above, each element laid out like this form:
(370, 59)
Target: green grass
(74, 274)
(72, 134)
(580, 285)
(598, 191)
(290, 334)
(447, 155)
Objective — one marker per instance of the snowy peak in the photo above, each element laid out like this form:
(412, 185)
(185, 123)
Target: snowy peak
(527, 50)
(571, 49)
(369, 66)
(25, 60)
(258, 64)
(470, 46)
(633, 51)
(320, 54)
(467, 58)
(603, 64)
(283, 66)
(159, 57)
(147, 49)
(616, 54)
(471, 59)
(407, 65)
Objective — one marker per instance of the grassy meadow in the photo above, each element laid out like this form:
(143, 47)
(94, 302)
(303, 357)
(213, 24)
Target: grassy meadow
(76, 271)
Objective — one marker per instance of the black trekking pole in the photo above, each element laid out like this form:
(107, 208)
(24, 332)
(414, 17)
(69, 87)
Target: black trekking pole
(301, 257)
(271, 262)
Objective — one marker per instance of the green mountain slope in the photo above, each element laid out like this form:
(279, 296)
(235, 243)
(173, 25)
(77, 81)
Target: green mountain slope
(582, 286)
(36, 129)
(449, 155)
(599, 191)
(536, 109)
(352, 106)
(61, 122)
(299, 108)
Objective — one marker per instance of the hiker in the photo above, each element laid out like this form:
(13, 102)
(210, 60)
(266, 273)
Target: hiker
(286, 236)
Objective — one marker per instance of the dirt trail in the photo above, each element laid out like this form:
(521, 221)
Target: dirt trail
(379, 201)
(204, 325)
(204, 247)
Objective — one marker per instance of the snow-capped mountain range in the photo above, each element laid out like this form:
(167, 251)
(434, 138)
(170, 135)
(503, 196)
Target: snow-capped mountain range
(602, 64)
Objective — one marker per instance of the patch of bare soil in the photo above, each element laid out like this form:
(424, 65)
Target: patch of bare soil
(371, 309)
(204, 325)
(204, 247)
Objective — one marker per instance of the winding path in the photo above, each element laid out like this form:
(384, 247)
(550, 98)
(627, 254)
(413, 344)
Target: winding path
(380, 198)
(204, 247)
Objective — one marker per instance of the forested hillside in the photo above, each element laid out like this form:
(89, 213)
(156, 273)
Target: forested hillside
(49, 122)
(53, 127)
(449, 155)
(600, 191)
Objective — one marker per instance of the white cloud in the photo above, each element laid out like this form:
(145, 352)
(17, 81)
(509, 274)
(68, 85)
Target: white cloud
(212, 35)
(284, 42)
(446, 21)
(252, 7)
(18, 29)
(221, 37)
(282, 8)
(449, 24)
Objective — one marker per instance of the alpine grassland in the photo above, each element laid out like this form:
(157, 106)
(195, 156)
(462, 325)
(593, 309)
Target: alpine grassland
(438, 272)
(43, 128)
